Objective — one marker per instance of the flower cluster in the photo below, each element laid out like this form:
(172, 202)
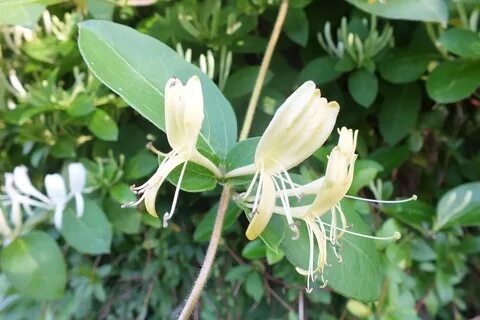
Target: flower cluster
(303, 123)
(21, 196)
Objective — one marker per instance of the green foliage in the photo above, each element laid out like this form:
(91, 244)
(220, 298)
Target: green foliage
(409, 87)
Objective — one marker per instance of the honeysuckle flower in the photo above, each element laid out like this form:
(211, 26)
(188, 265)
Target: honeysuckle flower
(329, 190)
(16, 83)
(56, 191)
(300, 126)
(77, 176)
(183, 120)
(24, 185)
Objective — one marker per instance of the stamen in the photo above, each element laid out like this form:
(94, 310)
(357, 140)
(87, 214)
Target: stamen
(133, 203)
(286, 206)
(250, 187)
(168, 215)
(397, 235)
(258, 193)
(152, 148)
(412, 198)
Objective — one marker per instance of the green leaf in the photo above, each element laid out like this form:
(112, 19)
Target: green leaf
(241, 82)
(196, 178)
(273, 256)
(399, 112)
(459, 206)
(81, 106)
(365, 171)
(320, 70)
(254, 250)
(416, 10)
(140, 165)
(100, 9)
(390, 157)
(238, 273)
(34, 265)
(204, 229)
(121, 193)
(453, 80)
(404, 65)
(90, 233)
(296, 26)
(359, 257)
(126, 220)
(23, 12)
(254, 286)
(242, 154)
(363, 87)
(102, 126)
(416, 214)
(464, 43)
(137, 67)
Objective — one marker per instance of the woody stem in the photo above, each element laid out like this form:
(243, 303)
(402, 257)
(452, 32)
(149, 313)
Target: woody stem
(247, 123)
(202, 278)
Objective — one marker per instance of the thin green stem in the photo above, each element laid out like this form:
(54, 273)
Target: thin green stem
(247, 123)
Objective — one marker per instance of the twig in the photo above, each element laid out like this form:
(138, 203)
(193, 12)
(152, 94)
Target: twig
(257, 89)
(301, 306)
(209, 257)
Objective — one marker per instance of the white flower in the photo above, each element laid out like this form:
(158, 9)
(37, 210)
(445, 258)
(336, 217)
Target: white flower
(56, 191)
(77, 176)
(300, 126)
(183, 120)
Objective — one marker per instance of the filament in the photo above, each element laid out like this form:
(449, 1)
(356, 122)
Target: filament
(412, 198)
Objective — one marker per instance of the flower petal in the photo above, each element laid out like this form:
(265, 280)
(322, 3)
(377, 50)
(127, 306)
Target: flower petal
(79, 204)
(77, 175)
(24, 184)
(55, 186)
(162, 172)
(265, 209)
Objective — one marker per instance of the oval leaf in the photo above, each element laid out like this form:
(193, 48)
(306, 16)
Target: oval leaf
(90, 233)
(399, 112)
(453, 80)
(461, 205)
(363, 87)
(35, 267)
(416, 10)
(137, 67)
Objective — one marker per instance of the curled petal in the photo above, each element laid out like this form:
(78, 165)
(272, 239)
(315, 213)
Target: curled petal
(265, 209)
(23, 183)
(79, 204)
(162, 172)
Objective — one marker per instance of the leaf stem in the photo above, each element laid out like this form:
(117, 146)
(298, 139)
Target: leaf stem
(247, 123)
(202, 278)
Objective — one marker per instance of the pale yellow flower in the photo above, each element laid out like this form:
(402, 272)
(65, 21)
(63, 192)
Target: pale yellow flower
(300, 126)
(184, 113)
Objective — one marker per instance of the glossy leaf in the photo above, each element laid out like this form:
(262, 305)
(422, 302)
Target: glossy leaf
(90, 233)
(403, 66)
(137, 68)
(23, 12)
(296, 26)
(103, 126)
(320, 70)
(363, 87)
(464, 43)
(416, 10)
(461, 206)
(34, 265)
(399, 112)
(453, 80)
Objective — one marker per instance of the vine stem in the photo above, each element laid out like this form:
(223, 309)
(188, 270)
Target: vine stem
(257, 89)
(202, 278)
(197, 289)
